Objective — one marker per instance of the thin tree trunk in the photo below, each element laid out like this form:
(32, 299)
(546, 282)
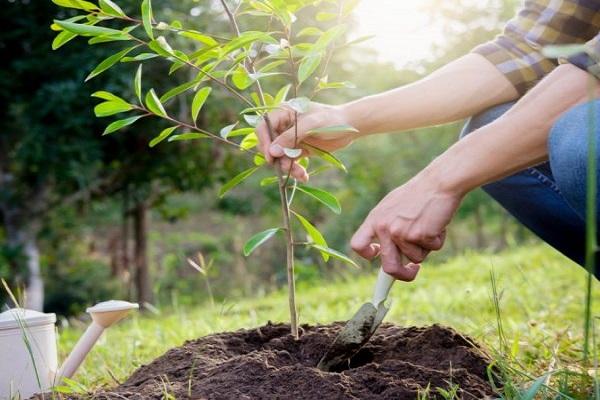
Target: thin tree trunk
(142, 275)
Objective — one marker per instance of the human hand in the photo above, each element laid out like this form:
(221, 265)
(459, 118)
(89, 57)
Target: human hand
(410, 221)
(292, 136)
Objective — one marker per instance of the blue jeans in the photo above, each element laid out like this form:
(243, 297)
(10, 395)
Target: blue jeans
(550, 198)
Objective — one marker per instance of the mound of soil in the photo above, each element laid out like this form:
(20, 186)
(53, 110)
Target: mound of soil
(267, 363)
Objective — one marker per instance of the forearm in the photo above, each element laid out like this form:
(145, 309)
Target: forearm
(456, 91)
(516, 140)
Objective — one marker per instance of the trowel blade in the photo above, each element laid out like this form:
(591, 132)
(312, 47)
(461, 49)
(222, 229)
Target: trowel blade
(353, 336)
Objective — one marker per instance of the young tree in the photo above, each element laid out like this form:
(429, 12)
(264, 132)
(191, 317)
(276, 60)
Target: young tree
(289, 58)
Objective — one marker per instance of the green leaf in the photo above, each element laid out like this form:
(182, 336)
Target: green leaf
(153, 103)
(109, 108)
(62, 38)
(139, 57)
(335, 254)
(313, 232)
(86, 30)
(188, 136)
(249, 142)
(179, 89)
(137, 83)
(328, 37)
(310, 31)
(78, 4)
(333, 129)
(162, 136)
(199, 37)
(147, 18)
(535, 387)
(111, 8)
(227, 130)
(322, 196)
(328, 157)
(241, 79)
(255, 241)
(115, 126)
(281, 95)
(308, 66)
(270, 180)
(240, 132)
(199, 100)
(325, 16)
(162, 47)
(109, 62)
(104, 95)
(236, 180)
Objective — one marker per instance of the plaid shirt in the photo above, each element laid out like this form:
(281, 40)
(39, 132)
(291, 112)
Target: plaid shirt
(517, 51)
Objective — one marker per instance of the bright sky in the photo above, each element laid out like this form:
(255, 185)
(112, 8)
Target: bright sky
(403, 32)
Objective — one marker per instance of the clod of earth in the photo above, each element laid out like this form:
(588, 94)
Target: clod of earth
(267, 363)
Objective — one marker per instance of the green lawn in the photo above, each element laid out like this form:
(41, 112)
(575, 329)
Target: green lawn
(541, 300)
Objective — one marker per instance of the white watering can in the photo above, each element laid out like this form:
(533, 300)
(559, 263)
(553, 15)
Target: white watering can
(28, 360)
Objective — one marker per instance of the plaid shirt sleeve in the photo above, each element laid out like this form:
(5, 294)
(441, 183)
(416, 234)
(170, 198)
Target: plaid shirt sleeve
(589, 59)
(521, 62)
(517, 52)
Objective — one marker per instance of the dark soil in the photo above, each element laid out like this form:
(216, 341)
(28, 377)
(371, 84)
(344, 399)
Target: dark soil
(266, 363)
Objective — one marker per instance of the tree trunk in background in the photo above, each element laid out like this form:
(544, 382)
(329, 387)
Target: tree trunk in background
(23, 236)
(142, 274)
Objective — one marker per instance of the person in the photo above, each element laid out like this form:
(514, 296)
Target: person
(526, 143)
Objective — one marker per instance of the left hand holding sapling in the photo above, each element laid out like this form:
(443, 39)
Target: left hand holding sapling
(411, 221)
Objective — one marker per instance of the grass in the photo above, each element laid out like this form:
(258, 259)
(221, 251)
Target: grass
(540, 296)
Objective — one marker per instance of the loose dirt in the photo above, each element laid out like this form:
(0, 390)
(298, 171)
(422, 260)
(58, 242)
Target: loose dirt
(266, 363)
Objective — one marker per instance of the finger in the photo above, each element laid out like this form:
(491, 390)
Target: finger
(362, 242)
(276, 119)
(413, 252)
(395, 263)
(435, 243)
(299, 172)
(290, 139)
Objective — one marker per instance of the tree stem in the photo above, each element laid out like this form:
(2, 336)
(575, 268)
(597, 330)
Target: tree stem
(285, 210)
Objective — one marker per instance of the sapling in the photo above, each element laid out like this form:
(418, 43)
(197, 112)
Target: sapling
(241, 63)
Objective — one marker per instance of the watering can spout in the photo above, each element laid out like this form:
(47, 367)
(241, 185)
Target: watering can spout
(103, 316)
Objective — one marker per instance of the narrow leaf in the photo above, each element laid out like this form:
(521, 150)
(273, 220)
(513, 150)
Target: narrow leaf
(111, 8)
(87, 30)
(257, 240)
(109, 62)
(137, 83)
(308, 66)
(109, 108)
(62, 38)
(313, 232)
(236, 180)
(322, 196)
(115, 126)
(78, 4)
(147, 17)
(335, 254)
(153, 103)
(188, 136)
(199, 100)
(162, 136)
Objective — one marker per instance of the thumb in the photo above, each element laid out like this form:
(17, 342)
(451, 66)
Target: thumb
(289, 139)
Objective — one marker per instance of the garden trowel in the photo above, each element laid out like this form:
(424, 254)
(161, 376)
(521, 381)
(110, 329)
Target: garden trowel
(358, 330)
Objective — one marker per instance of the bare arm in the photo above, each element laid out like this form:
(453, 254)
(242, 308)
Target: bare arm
(461, 88)
(458, 90)
(412, 219)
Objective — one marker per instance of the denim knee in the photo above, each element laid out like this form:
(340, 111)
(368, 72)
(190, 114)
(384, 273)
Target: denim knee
(568, 153)
(483, 118)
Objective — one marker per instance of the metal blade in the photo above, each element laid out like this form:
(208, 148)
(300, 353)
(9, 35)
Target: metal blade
(353, 336)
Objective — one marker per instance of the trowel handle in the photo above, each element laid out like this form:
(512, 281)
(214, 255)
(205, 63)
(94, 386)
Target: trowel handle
(382, 287)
